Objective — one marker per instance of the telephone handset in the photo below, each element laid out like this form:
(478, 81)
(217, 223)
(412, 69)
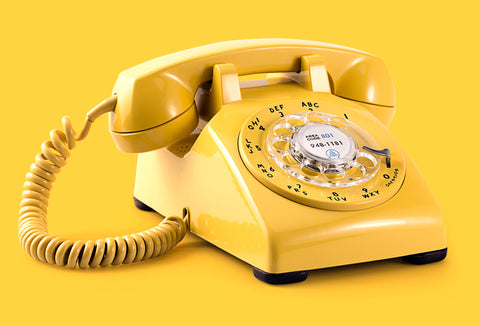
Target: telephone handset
(145, 119)
(275, 150)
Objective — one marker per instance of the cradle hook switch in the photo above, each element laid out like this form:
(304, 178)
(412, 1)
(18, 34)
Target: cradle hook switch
(384, 152)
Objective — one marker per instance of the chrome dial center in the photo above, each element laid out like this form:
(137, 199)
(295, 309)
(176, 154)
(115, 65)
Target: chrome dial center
(322, 149)
(323, 144)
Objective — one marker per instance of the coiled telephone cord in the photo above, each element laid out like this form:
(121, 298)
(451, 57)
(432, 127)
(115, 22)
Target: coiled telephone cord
(32, 223)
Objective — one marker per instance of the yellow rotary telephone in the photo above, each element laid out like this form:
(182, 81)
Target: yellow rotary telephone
(276, 150)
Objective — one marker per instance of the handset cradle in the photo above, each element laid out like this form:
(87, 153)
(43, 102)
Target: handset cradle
(145, 119)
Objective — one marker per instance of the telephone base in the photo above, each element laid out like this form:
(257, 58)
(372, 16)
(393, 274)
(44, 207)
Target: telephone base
(299, 276)
(270, 278)
(280, 278)
(427, 257)
(142, 206)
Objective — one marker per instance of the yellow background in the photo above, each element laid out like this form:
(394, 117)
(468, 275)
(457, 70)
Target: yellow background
(63, 57)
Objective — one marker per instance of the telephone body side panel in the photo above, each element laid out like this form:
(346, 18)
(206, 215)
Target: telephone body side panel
(233, 210)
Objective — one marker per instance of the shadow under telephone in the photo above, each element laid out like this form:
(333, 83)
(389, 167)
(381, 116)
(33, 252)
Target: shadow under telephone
(274, 150)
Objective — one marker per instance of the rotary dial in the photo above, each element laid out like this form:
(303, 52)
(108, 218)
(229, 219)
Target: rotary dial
(322, 149)
(320, 154)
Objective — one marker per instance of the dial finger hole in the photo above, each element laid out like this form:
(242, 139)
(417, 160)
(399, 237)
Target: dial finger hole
(316, 117)
(334, 177)
(284, 129)
(366, 159)
(296, 120)
(309, 163)
(281, 143)
(334, 173)
(338, 122)
(289, 160)
(310, 172)
(356, 171)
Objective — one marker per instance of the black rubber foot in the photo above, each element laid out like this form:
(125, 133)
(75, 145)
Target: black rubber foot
(427, 257)
(142, 206)
(280, 278)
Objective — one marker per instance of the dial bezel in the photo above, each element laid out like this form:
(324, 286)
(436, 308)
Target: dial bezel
(377, 189)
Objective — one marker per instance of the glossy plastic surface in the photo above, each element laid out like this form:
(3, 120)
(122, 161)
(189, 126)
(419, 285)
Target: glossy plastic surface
(154, 93)
(158, 136)
(233, 210)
